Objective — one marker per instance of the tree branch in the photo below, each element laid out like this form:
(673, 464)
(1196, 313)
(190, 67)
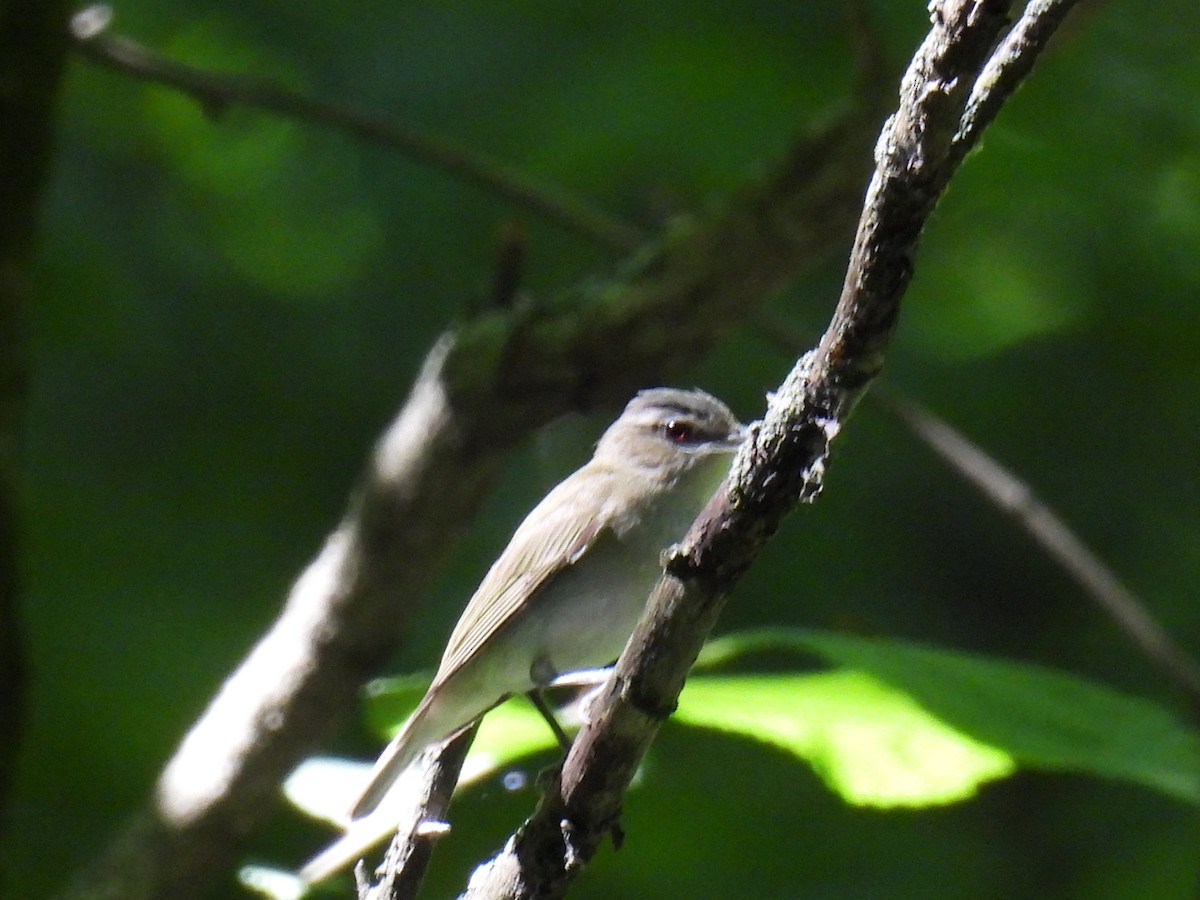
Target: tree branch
(217, 90)
(1016, 499)
(1008, 67)
(32, 53)
(782, 463)
(1012, 496)
(403, 868)
(481, 390)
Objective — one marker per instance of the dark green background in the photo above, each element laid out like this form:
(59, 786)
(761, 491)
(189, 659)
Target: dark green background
(228, 312)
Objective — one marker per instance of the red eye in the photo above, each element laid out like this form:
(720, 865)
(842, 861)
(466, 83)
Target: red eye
(678, 432)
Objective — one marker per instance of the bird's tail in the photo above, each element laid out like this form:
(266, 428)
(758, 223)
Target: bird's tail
(365, 830)
(417, 733)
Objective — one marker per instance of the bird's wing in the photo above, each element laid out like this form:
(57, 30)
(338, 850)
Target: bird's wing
(552, 537)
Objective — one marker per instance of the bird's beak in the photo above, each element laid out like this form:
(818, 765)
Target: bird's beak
(737, 436)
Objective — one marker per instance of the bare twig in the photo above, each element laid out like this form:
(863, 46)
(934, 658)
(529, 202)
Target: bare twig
(407, 858)
(783, 462)
(403, 867)
(216, 90)
(413, 814)
(1060, 543)
(1031, 514)
(1008, 67)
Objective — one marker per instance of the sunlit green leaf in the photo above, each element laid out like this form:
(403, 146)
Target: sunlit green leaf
(389, 701)
(1043, 718)
(872, 744)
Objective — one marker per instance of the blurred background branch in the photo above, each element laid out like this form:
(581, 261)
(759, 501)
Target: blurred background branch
(1016, 499)
(215, 91)
(32, 55)
(1030, 513)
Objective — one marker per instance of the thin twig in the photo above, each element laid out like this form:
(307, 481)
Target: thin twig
(216, 90)
(1060, 543)
(1014, 497)
(1008, 67)
(404, 864)
(407, 858)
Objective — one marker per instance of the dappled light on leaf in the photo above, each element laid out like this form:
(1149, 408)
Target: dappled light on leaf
(871, 744)
(1045, 719)
(277, 884)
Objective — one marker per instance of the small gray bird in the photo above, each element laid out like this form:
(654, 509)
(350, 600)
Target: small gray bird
(568, 589)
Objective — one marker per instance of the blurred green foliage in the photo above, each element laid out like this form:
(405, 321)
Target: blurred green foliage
(229, 308)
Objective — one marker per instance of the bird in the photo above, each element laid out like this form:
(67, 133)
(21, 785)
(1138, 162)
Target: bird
(568, 589)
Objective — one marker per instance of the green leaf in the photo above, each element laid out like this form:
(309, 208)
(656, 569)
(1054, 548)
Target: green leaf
(902, 725)
(871, 744)
(1044, 719)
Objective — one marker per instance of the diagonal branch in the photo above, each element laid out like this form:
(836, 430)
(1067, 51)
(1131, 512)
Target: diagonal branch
(1015, 498)
(1008, 67)
(217, 90)
(1018, 500)
(782, 463)
(408, 856)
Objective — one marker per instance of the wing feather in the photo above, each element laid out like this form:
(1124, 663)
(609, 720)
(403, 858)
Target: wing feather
(552, 537)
